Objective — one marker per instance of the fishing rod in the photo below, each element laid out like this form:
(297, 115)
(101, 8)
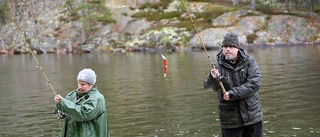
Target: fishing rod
(34, 57)
(204, 47)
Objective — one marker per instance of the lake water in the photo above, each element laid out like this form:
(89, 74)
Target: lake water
(141, 103)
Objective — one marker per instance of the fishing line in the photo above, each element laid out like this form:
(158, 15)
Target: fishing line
(38, 65)
(204, 47)
(34, 57)
(196, 29)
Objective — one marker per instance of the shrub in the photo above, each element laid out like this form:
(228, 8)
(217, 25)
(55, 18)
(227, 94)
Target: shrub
(251, 38)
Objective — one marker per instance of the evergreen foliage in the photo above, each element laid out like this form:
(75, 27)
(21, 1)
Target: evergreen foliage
(4, 12)
(96, 10)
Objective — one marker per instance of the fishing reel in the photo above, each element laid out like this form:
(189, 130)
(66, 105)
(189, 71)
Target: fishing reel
(60, 114)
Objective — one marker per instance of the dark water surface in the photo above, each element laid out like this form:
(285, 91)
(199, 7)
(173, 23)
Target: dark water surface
(141, 103)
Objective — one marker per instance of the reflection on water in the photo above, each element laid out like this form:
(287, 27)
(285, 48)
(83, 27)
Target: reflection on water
(141, 103)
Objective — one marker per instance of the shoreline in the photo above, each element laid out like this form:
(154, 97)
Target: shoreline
(150, 50)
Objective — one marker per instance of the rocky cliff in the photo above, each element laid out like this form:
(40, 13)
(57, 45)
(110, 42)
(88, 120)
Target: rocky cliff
(57, 31)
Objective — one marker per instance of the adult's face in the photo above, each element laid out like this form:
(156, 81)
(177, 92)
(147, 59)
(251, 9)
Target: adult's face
(84, 87)
(230, 52)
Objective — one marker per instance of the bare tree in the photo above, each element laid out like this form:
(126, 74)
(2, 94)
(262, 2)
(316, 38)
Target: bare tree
(83, 15)
(13, 4)
(253, 4)
(309, 5)
(286, 5)
(34, 14)
(236, 2)
(69, 4)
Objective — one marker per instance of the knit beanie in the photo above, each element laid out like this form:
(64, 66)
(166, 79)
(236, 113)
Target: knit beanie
(230, 39)
(88, 76)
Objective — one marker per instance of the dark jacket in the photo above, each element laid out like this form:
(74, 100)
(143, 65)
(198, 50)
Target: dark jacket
(87, 116)
(243, 77)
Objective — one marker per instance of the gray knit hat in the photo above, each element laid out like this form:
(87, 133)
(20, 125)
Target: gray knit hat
(230, 39)
(87, 75)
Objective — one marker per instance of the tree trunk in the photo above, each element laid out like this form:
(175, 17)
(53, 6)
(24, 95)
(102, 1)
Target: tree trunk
(89, 21)
(13, 8)
(286, 6)
(83, 30)
(253, 4)
(309, 5)
(236, 2)
(69, 4)
(34, 16)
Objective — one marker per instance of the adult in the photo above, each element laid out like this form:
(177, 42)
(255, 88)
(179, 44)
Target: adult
(84, 109)
(240, 111)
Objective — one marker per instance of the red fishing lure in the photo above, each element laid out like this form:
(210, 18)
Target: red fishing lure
(165, 66)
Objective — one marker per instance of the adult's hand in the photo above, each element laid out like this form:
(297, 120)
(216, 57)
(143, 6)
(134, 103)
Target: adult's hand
(57, 99)
(226, 96)
(215, 73)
